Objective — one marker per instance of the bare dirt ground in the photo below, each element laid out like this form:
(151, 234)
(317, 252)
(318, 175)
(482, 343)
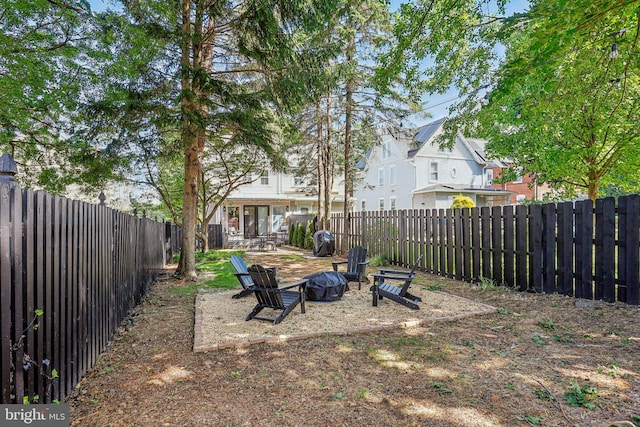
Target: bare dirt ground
(526, 364)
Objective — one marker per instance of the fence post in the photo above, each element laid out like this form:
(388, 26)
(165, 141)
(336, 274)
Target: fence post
(8, 169)
(7, 268)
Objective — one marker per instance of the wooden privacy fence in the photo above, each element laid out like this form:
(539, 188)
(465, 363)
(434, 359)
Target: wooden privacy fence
(577, 249)
(84, 266)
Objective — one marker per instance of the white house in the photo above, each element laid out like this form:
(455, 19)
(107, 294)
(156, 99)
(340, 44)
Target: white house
(264, 205)
(408, 170)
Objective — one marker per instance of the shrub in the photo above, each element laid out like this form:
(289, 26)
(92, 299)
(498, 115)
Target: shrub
(308, 237)
(292, 230)
(461, 201)
(299, 236)
(381, 260)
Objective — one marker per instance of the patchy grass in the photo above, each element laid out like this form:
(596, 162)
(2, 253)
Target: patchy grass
(224, 278)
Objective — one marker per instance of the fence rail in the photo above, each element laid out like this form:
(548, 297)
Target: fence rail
(580, 249)
(85, 267)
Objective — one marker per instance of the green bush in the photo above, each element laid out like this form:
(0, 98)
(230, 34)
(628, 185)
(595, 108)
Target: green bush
(301, 231)
(308, 237)
(381, 260)
(296, 232)
(292, 230)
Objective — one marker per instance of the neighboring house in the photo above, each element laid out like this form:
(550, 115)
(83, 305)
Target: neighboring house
(409, 170)
(523, 188)
(264, 206)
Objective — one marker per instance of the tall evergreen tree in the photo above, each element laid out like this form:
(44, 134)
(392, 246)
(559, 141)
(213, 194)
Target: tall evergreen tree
(190, 71)
(351, 101)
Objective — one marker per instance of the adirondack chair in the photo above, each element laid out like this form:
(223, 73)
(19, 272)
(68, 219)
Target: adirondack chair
(269, 295)
(400, 294)
(356, 265)
(243, 276)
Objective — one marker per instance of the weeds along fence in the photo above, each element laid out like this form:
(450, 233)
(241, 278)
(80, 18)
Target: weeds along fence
(580, 249)
(70, 272)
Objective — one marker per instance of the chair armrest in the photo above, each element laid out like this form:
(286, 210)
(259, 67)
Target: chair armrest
(361, 267)
(336, 263)
(396, 272)
(393, 277)
(299, 283)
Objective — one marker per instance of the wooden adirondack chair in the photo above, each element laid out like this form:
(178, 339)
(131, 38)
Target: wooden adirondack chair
(269, 295)
(400, 294)
(356, 265)
(243, 276)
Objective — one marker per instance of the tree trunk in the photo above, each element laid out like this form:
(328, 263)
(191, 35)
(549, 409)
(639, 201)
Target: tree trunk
(192, 154)
(321, 168)
(192, 167)
(593, 189)
(330, 168)
(348, 180)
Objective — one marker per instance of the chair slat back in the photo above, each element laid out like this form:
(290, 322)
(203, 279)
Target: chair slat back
(265, 278)
(357, 254)
(412, 274)
(241, 267)
(416, 265)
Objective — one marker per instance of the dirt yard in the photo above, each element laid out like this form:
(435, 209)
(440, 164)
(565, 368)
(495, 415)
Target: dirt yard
(539, 360)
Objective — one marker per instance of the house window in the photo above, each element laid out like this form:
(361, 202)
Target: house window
(386, 149)
(434, 171)
(298, 182)
(381, 177)
(489, 176)
(392, 202)
(392, 175)
(381, 203)
(264, 178)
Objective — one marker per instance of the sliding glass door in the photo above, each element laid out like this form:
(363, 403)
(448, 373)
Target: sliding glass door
(256, 221)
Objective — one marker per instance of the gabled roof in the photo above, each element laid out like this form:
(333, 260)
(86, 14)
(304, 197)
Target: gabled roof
(424, 133)
(477, 148)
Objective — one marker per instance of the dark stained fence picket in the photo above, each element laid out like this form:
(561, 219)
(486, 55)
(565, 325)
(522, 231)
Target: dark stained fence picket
(579, 249)
(85, 266)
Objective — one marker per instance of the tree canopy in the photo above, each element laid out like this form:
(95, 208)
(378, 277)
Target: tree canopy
(560, 101)
(191, 72)
(46, 57)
